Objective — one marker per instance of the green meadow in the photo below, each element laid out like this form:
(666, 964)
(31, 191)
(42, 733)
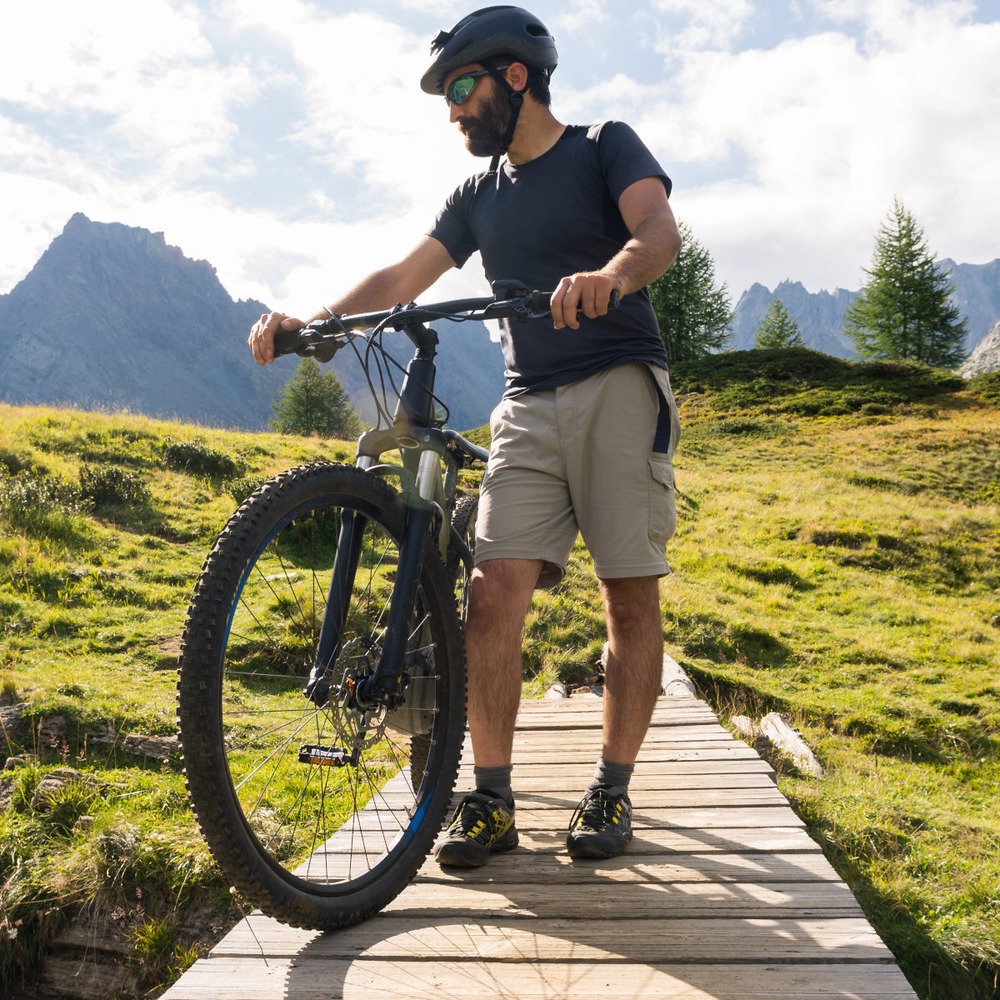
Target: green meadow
(837, 559)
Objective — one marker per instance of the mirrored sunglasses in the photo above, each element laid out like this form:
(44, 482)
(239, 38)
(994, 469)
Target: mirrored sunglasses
(459, 89)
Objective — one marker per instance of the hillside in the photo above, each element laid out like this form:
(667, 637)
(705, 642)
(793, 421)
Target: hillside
(113, 318)
(837, 559)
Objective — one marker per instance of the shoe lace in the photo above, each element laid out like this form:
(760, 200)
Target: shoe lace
(596, 810)
(473, 812)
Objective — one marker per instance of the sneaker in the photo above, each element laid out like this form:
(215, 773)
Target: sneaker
(482, 825)
(601, 827)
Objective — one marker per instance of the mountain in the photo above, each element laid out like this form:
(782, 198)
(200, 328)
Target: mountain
(820, 315)
(111, 317)
(986, 356)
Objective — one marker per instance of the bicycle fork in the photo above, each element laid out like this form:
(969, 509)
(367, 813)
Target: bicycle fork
(384, 686)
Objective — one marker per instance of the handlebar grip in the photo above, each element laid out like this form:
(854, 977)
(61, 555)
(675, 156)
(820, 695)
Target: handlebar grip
(285, 342)
(540, 301)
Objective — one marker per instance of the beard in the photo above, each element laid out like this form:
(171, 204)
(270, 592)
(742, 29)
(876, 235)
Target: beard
(484, 133)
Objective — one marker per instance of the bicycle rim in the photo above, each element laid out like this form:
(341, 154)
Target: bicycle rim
(311, 841)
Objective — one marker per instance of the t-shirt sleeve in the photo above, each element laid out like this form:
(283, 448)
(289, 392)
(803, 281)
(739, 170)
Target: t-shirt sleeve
(625, 159)
(451, 229)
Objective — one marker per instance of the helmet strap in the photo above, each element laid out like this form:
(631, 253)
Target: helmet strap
(516, 99)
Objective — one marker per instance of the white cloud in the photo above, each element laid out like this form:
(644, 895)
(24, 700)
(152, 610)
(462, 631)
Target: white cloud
(707, 24)
(821, 133)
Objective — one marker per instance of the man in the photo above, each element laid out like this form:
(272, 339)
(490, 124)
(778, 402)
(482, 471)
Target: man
(583, 439)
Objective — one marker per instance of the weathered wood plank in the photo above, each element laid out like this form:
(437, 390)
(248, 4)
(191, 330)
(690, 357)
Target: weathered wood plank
(246, 978)
(669, 818)
(527, 781)
(746, 840)
(559, 869)
(618, 900)
(553, 869)
(847, 939)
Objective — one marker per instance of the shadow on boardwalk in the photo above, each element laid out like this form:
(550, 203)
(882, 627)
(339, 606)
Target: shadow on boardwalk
(722, 895)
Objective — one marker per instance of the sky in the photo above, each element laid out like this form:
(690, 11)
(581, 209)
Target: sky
(289, 144)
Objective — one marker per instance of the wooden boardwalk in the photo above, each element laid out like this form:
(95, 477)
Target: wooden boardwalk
(722, 895)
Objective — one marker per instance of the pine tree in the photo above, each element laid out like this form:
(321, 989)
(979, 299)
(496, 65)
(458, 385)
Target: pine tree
(905, 310)
(314, 402)
(778, 331)
(694, 315)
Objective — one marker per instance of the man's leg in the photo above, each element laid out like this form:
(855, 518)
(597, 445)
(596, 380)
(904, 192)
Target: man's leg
(602, 825)
(633, 672)
(499, 594)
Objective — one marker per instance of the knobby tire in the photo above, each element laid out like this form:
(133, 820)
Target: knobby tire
(315, 846)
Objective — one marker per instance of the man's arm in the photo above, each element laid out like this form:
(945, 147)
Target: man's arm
(382, 289)
(652, 249)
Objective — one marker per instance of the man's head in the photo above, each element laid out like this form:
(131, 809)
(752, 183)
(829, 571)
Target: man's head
(493, 36)
(503, 53)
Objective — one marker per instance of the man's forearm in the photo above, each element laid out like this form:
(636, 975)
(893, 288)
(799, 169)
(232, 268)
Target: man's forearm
(651, 250)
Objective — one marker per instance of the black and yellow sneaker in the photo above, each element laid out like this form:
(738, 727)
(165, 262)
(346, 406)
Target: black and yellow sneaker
(482, 825)
(601, 827)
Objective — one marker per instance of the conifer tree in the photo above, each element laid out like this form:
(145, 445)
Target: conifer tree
(778, 331)
(905, 310)
(693, 312)
(315, 402)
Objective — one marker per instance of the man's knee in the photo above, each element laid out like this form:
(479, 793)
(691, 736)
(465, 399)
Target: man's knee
(502, 588)
(631, 599)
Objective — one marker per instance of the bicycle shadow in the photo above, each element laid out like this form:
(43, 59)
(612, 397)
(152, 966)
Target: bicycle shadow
(534, 923)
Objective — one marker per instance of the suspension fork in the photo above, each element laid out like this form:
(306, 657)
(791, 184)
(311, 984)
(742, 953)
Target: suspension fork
(387, 681)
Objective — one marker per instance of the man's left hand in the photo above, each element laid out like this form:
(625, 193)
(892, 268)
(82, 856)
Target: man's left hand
(588, 292)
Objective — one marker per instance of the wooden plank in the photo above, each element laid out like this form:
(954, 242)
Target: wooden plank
(245, 978)
(556, 772)
(648, 754)
(539, 782)
(766, 794)
(559, 869)
(745, 840)
(846, 939)
(680, 818)
(615, 901)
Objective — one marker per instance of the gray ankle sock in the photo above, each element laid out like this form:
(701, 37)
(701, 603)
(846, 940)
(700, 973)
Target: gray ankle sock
(496, 781)
(611, 774)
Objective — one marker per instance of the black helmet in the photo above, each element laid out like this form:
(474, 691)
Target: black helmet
(492, 31)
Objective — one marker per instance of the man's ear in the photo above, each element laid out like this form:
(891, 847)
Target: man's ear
(517, 75)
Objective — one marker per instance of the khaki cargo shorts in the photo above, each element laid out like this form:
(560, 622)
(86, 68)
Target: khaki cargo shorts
(580, 459)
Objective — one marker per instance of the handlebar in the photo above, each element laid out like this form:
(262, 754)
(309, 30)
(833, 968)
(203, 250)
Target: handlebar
(507, 302)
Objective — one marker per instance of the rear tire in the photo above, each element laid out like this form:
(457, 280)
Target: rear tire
(316, 846)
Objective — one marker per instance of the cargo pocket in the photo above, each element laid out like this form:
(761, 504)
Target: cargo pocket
(662, 505)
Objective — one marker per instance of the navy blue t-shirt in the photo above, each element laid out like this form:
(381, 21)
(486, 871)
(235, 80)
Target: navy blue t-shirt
(540, 221)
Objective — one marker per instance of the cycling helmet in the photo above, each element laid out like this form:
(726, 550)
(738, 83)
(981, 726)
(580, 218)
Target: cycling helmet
(491, 31)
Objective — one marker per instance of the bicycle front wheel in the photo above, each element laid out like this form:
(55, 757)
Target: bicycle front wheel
(310, 838)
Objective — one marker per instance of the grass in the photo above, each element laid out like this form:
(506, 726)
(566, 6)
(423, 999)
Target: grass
(838, 559)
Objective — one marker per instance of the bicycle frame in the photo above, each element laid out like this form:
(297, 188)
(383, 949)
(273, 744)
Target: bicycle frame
(429, 495)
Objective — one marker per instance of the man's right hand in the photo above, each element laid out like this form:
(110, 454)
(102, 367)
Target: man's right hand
(261, 339)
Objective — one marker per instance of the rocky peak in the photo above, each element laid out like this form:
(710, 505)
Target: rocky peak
(986, 356)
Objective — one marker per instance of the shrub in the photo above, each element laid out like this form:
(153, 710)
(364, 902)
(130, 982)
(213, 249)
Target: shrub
(196, 456)
(112, 485)
(29, 496)
(987, 385)
(240, 489)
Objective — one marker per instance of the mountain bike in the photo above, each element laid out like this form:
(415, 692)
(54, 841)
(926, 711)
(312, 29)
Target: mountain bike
(321, 692)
